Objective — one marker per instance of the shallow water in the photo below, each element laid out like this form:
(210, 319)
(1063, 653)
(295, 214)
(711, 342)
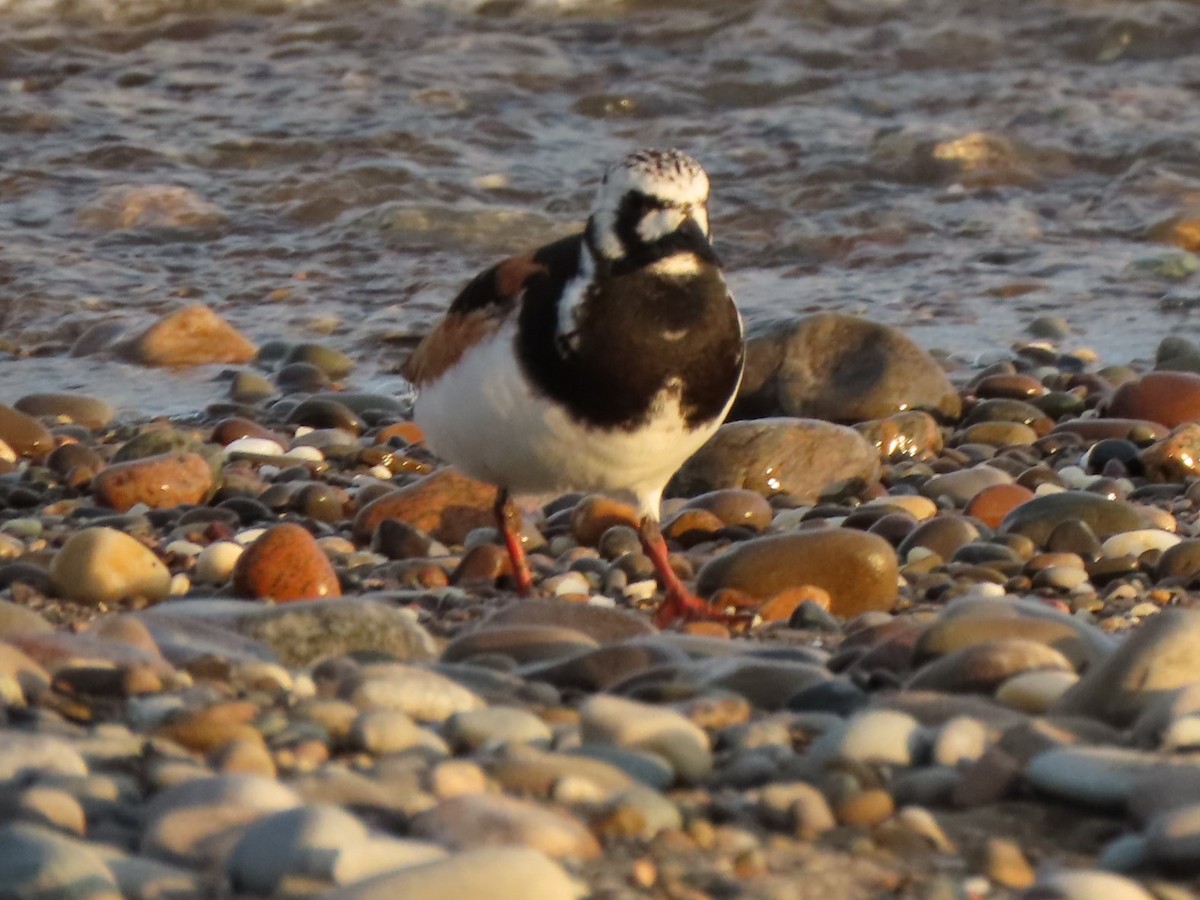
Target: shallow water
(955, 168)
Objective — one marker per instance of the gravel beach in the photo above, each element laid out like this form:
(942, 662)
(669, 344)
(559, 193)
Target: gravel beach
(270, 648)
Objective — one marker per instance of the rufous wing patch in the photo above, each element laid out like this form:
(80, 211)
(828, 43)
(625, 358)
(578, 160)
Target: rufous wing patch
(446, 344)
(462, 329)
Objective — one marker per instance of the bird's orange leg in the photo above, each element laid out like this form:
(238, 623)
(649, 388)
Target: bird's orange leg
(508, 520)
(679, 604)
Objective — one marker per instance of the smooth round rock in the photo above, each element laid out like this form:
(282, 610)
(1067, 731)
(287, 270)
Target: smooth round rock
(188, 822)
(498, 873)
(980, 668)
(485, 820)
(1160, 656)
(38, 862)
(303, 842)
(874, 736)
(446, 504)
(992, 504)
(425, 695)
(24, 434)
(496, 725)
(383, 731)
(160, 482)
(803, 458)
(1034, 692)
(1085, 884)
(1169, 398)
(90, 412)
(607, 719)
(1038, 518)
(23, 755)
(192, 336)
(285, 563)
(1135, 543)
(102, 565)
(858, 570)
(735, 506)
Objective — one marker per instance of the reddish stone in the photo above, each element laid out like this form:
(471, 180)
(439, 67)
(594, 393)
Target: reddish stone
(163, 481)
(191, 336)
(1170, 398)
(1176, 457)
(409, 432)
(993, 503)
(446, 504)
(286, 563)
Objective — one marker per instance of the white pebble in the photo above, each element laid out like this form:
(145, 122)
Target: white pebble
(254, 446)
(1135, 543)
(640, 590)
(180, 585)
(183, 548)
(216, 562)
(249, 536)
(304, 452)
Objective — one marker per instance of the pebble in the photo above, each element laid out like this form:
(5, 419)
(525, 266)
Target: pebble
(498, 873)
(1173, 839)
(803, 458)
(1160, 656)
(858, 570)
(192, 336)
(626, 723)
(1085, 884)
(305, 841)
(982, 667)
(496, 725)
(840, 368)
(472, 821)
(190, 823)
(1038, 518)
(164, 481)
(446, 504)
(101, 565)
(90, 412)
(23, 434)
(423, 694)
(1169, 398)
(286, 563)
(38, 862)
(876, 736)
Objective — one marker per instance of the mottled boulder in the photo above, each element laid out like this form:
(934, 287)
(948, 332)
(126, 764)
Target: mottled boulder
(841, 368)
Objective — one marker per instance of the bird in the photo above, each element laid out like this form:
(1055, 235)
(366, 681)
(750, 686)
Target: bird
(599, 362)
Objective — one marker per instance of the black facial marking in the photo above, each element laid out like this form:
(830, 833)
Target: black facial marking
(638, 252)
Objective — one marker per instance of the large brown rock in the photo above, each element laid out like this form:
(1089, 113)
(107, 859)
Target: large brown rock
(859, 570)
(446, 504)
(801, 457)
(841, 368)
(191, 336)
(1169, 398)
(286, 563)
(161, 482)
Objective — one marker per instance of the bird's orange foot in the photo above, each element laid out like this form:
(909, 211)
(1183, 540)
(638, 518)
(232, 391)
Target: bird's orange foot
(508, 520)
(679, 604)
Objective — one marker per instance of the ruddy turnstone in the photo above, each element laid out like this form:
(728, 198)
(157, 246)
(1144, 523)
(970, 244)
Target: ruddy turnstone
(599, 362)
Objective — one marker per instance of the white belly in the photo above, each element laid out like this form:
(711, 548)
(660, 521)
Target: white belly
(481, 416)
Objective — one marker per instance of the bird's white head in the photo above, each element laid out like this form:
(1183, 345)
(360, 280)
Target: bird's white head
(647, 197)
